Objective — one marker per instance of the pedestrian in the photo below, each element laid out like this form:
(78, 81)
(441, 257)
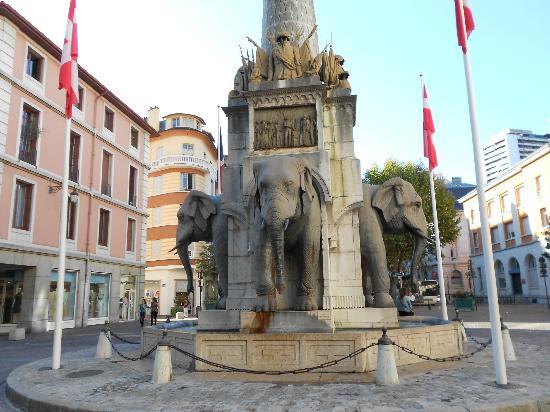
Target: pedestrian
(404, 304)
(154, 311)
(142, 312)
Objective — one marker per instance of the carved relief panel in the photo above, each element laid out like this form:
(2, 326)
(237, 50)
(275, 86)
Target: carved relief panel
(286, 127)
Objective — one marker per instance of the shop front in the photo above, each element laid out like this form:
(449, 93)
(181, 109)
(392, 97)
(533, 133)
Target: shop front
(11, 295)
(127, 301)
(98, 298)
(69, 299)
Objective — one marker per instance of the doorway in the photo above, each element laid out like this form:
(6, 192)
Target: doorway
(516, 283)
(11, 296)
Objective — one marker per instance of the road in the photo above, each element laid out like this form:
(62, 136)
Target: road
(528, 324)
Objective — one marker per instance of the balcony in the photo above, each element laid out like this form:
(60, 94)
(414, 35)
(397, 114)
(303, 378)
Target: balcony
(186, 161)
(526, 238)
(106, 189)
(510, 242)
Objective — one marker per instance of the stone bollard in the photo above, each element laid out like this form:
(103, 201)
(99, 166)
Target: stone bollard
(509, 352)
(386, 369)
(103, 349)
(162, 369)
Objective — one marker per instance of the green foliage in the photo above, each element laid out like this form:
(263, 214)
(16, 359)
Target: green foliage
(399, 248)
(206, 266)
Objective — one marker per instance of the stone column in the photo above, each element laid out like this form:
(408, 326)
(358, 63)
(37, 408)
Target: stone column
(289, 15)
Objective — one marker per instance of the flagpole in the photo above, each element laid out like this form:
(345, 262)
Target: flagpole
(440, 277)
(494, 311)
(56, 356)
(219, 155)
(492, 299)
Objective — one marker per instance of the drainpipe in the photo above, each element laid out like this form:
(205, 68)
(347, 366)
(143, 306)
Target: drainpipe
(89, 219)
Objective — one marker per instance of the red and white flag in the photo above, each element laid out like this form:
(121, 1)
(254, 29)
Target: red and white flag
(464, 22)
(68, 73)
(429, 130)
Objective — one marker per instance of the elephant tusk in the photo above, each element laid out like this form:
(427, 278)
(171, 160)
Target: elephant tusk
(286, 224)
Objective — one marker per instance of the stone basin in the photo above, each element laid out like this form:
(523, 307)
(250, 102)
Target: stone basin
(293, 350)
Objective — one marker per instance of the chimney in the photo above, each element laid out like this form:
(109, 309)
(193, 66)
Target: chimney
(153, 117)
(456, 180)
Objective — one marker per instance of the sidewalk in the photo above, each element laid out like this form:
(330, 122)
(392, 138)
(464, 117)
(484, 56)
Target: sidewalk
(115, 385)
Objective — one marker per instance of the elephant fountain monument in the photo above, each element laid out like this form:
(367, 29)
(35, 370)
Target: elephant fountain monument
(297, 237)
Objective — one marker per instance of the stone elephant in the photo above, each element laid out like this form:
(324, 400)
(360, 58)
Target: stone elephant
(287, 219)
(391, 208)
(201, 217)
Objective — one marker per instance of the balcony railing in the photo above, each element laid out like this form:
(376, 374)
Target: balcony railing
(510, 242)
(132, 201)
(106, 189)
(184, 160)
(526, 238)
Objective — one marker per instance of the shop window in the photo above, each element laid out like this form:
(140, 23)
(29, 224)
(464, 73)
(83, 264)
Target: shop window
(22, 205)
(109, 119)
(28, 142)
(68, 297)
(98, 303)
(35, 65)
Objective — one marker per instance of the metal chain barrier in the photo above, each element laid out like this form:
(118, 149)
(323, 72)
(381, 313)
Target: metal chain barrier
(288, 372)
(130, 358)
(454, 358)
(114, 335)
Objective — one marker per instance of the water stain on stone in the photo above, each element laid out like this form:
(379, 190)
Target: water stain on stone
(262, 321)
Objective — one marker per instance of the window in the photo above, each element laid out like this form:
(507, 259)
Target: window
(98, 304)
(131, 235)
(176, 122)
(104, 218)
(69, 298)
(509, 231)
(80, 104)
(519, 192)
(157, 216)
(160, 152)
(186, 181)
(494, 235)
(490, 206)
(106, 169)
(472, 215)
(134, 137)
(524, 227)
(499, 272)
(35, 65)
(187, 149)
(109, 120)
(74, 157)
(538, 186)
(22, 205)
(157, 185)
(155, 249)
(476, 241)
(504, 203)
(532, 275)
(543, 217)
(72, 211)
(132, 186)
(456, 279)
(29, 135)
(187, 122)
(480, 277)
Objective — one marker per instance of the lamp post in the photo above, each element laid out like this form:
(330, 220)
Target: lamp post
(200, 275)
(544, 275)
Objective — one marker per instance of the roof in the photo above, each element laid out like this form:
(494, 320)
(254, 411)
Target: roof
(459, 190)
(536, 155)
(200, 119)
(40, 38)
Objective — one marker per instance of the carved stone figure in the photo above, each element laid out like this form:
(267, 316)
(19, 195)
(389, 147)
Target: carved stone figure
(392, 208)
(344, 82)
(260, 69)
(288, 129)
(200, 218)
(284, 62)
(287, 220)
(307, 131)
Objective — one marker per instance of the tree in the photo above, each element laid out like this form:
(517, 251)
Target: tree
(399, 248)
(206, 268)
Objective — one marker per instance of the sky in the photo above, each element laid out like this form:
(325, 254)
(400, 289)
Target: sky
(182, 55)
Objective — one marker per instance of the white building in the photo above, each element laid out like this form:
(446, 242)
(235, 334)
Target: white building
(517, 207)
(509, 147)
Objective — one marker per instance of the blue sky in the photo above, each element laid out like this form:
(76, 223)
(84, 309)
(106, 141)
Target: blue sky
(182, 55)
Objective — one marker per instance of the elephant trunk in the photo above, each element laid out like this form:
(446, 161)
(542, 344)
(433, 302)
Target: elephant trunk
(183, 253)
(419, 246)
(275, 230)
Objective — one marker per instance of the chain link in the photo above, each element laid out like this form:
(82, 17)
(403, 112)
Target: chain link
(120, 338)
(454, 358)
(130, 358)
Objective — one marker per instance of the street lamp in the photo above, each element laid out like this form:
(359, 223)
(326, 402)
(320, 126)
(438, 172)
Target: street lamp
(56, 188)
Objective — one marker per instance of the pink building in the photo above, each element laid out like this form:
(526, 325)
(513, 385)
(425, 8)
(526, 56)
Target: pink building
(109, 159)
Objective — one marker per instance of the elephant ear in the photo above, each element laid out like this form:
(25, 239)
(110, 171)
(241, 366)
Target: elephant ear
(390, 198)
(306, 187)
(199, 207)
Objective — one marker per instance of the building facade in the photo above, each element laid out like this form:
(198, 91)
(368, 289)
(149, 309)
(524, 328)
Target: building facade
(184, 158)
(509, 147)
(106, 222)
(517, 206)
(455, 256)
